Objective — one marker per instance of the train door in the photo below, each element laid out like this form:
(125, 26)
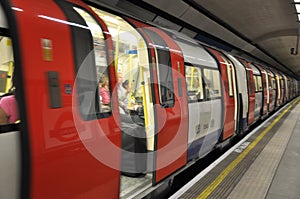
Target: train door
(242, 94)
(13, 148)
(272, 90)
(278, 90)
(135, 97)
(265, 90)
(282, 88)
(229, 86)
(171, 105)
(170, 102)
(251, 91)
(258, 92)
(287, 89)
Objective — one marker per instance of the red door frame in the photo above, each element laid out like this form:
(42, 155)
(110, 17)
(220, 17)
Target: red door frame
(229, 101)
(172, 137)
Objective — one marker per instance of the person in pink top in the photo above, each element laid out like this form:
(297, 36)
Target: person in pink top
(104, 91)
(8, 110)
(104, 94)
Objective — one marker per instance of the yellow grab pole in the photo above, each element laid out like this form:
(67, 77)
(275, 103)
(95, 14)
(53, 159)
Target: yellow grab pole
(144, 98)
(117, 50)
(130, 79)
(192, 78)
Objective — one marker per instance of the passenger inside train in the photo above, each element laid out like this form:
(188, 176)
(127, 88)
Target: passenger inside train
(8, 110)
(8, 105)
(104, 94)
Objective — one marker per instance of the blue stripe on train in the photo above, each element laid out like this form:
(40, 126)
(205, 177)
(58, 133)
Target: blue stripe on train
(202, 146)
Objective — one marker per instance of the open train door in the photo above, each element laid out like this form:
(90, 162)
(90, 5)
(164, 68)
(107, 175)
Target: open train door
(170, 102)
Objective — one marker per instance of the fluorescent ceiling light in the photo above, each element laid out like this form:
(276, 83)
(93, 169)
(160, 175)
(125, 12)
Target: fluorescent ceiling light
(297, 1)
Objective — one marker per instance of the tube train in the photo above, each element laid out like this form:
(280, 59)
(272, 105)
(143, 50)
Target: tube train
(184, 100)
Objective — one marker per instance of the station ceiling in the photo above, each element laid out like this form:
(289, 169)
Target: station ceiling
(261, 30)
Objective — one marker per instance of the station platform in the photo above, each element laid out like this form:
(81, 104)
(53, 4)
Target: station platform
(265, 164)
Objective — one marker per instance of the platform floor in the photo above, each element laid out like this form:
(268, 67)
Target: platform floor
(265, 165)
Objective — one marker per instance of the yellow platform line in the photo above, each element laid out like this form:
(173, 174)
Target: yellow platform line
(210, 188)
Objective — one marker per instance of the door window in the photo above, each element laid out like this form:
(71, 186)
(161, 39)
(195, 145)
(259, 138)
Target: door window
(164, 70)
(212, 87)
(193, 76)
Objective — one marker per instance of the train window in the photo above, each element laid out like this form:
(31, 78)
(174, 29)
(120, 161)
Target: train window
(193, 76)
(6, 64)
(273, 83)
(278, 82)
(259, 83)
(249, 81)
(212, 86)
(255, 83)
(101, 67)
(229, 70)
(265, 81)
(282, 85)
(229, 74)
(164, 70)
(131, 62)
(94, 73)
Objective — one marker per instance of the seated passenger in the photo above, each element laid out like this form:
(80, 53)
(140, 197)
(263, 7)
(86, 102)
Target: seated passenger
(104, 93)
(8, 110)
